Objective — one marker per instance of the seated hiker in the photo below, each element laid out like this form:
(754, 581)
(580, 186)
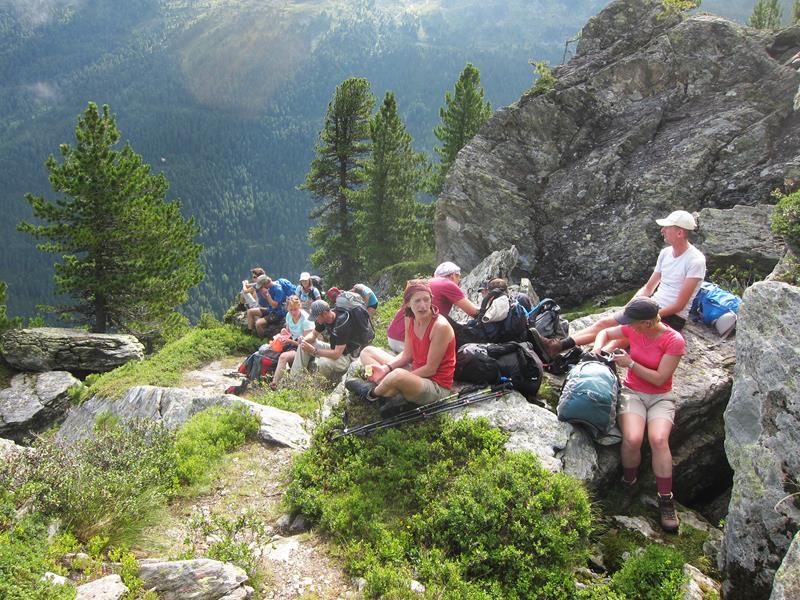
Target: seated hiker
(349, 330)
(369, 297)
(647, 400)
(306, 291)
(446, 294)
(430, 348)
(332, 294)
(298, 325)
(679, 271)
(271, 298)
(248, 293)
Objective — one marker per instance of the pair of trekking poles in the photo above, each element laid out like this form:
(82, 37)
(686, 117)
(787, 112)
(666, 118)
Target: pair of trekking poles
(462, 398)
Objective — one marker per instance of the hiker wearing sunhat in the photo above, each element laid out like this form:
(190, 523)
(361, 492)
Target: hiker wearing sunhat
(306, 291)
(679, 270)
(646, 399)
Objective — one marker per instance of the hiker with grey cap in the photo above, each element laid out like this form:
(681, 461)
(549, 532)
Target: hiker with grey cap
(679, 271)
(446, 293)
(646, 398)
(349, 330)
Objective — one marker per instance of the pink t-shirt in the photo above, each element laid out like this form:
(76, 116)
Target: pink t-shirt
(445, 293)
(649, 352)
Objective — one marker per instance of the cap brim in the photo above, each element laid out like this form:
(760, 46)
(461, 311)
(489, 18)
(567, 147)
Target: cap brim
(621, 318)
(664, 222)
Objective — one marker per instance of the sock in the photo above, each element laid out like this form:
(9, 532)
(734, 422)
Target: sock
(664, 485)
(629, 473)
(567, 343)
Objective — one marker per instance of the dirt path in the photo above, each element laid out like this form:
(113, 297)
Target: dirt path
(252, 479)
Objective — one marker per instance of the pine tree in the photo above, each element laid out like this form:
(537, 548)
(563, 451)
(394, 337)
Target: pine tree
(128, 256)
(6, 323)
(336, 173)
(767, 14)
(464, 112)
(387, 215)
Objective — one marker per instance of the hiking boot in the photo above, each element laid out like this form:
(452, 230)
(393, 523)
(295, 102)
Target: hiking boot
(669, 517)
(394, 406)
(361, 389)
(549, 348)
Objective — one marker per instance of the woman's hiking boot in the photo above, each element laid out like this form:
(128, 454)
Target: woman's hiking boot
(669, 516)
(548, 348)
(361, 389)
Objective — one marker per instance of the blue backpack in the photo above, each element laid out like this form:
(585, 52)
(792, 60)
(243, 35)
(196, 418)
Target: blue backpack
(711, 302)
(289, 289)
(589, 395)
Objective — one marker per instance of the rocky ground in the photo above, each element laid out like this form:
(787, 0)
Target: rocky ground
(253, 479)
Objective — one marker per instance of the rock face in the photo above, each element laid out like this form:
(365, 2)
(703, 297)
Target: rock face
(33, 403)
(105, 588)
(655, 112)
(200, 579)
(174, 406)
(500, 263)
(738, 235)
(787, 580)
(762, 440)
(49, 348)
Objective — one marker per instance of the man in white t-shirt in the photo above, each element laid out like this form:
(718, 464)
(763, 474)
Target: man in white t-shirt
(679, 270)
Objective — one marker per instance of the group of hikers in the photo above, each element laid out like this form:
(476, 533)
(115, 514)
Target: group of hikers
(419, 366)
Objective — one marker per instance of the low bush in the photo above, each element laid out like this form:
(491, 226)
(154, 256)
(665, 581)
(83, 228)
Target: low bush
(166, 367)
(446, 500)
(655, 574)
(786, 219)
(206, 436)
(108, 485)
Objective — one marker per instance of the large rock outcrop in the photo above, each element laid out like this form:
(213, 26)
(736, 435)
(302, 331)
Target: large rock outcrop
(33, 402)
(51, 348)
(762, 440)
(175, 406)
(655, 112)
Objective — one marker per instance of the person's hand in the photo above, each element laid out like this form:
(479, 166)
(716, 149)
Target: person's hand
(378, 373)
(622, 358)
(306, 347)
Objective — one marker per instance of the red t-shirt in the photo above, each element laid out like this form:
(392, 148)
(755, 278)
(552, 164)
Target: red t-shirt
(649, 352)
(419, 354)
(445, 293)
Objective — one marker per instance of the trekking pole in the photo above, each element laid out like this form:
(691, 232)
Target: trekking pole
(426, 410)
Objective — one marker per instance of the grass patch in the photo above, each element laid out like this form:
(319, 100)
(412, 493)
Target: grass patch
(166, 367)
(383, 317)
(445, 502)
(399, 273)
(302, 395)
(591, 307)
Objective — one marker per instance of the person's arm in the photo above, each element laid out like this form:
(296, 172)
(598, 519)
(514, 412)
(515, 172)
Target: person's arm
(268, 297)
(332, 353)
(607, 335)
(687, 289)
(404, 358)
(467, 306)
(667, 366)
(441, 334)
(649, 288)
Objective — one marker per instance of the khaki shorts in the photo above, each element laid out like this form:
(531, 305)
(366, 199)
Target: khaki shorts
(431, 392)
(647, 406)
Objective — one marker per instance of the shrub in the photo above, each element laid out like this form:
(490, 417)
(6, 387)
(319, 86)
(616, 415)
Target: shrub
(108, 486)
(546, 80)
(206, 436)
(656, 574)
(165, 368)
(786, 219)
(444, 499)
(737, 278)
(383, 317)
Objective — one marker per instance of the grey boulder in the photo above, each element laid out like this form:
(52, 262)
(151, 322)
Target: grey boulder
(109, 587)
(50, 348)
(174, 406)
(198, 579)
(786, 585)
(33, 403)
(762, 440)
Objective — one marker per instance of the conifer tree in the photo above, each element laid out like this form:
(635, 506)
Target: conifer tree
(767, 14)
(336, 173)
(127, 254)
(387, 216)
(464, 112)
(6, 323)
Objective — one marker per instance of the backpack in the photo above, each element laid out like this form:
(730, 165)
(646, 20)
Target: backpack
(589, 395)
(316, 281)
(514, 328)
(487, 363)
(289, 289)
(711, 303)
(357, 318)
(546, 318)
(259, 364)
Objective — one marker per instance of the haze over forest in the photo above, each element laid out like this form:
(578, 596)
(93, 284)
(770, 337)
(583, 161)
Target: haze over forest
(226, 97)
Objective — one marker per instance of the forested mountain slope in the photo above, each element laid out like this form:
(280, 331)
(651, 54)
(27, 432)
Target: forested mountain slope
(227, 96)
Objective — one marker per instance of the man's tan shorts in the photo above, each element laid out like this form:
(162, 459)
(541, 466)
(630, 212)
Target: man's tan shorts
(647, 406)
(431, 391)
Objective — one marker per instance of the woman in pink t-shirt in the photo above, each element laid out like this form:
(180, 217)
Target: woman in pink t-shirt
(647, 400)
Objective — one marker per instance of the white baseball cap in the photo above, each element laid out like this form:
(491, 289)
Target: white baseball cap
(305, 276)
(446, 268)
(679, 218)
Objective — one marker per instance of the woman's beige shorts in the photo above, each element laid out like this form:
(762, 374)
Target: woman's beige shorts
(647, 406)
(431, 391)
